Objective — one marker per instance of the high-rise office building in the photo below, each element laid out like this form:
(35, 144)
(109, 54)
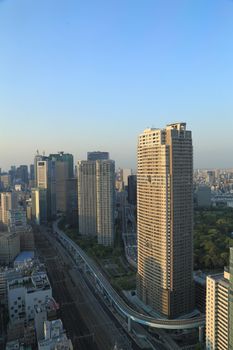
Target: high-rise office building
(105, 201)
(32, 172)
(65, 158)
(64, 170)
(97, 155)
(125, 174)
(217, 324)
(61, 175)
(231, 301)
(72, 202)
(51, 175)
(39, 206)
(86, 176)
(42, 169)
(165, 220)
(45, 180)
(37, 158)
(96, 199)
(5, 181)
(22, 173)
(8, 202)
(132, 189)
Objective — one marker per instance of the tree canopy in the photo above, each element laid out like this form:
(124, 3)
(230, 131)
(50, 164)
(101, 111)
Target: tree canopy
(212, 237)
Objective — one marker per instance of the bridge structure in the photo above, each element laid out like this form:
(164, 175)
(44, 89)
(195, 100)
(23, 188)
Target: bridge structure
(131, 315)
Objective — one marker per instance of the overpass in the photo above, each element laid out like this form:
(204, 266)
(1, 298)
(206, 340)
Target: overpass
(115, 299)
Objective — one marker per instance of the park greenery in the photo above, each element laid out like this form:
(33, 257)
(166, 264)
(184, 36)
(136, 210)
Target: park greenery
(212, 237)
(110, 259)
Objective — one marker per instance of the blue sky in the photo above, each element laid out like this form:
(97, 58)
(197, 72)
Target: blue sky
(82, 75)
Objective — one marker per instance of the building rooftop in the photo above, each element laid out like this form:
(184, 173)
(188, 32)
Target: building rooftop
(199, 277)
(37, 281)
(62, 343)
(178, 126)
(49, 305)
(13, 345)
(7, 234)
(217, 277)
(24, 257)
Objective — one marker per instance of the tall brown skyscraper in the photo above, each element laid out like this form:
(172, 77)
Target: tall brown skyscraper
(165, 219)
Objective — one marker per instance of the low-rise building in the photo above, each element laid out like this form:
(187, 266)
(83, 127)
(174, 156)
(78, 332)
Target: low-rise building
(9, 247)
(25, 293)
(17, 222)
(24, 333)
(45, 312)
(24, 259)
(203, 196)
(13, 345)
(55, 337)
(6, 274)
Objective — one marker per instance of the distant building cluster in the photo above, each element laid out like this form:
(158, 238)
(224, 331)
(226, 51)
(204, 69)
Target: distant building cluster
(213, 187)
(25, 290)
(26, 296)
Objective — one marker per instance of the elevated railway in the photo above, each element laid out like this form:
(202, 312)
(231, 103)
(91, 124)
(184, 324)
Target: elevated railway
(114, 298)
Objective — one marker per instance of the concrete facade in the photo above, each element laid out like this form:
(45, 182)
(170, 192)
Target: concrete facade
(165, 220)
(96, 199)
(54, 337)
(8, 202)
(231, 302)
(9, 247)
(217, 312)
(25, 293)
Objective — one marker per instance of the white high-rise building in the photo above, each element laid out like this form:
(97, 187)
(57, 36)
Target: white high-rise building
(42, 174)
(8, 202)
(45, 182)
(217, 311)
(165, 220)
(96, 196)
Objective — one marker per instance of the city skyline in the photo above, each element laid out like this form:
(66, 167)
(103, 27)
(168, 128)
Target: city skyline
(94, 75)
